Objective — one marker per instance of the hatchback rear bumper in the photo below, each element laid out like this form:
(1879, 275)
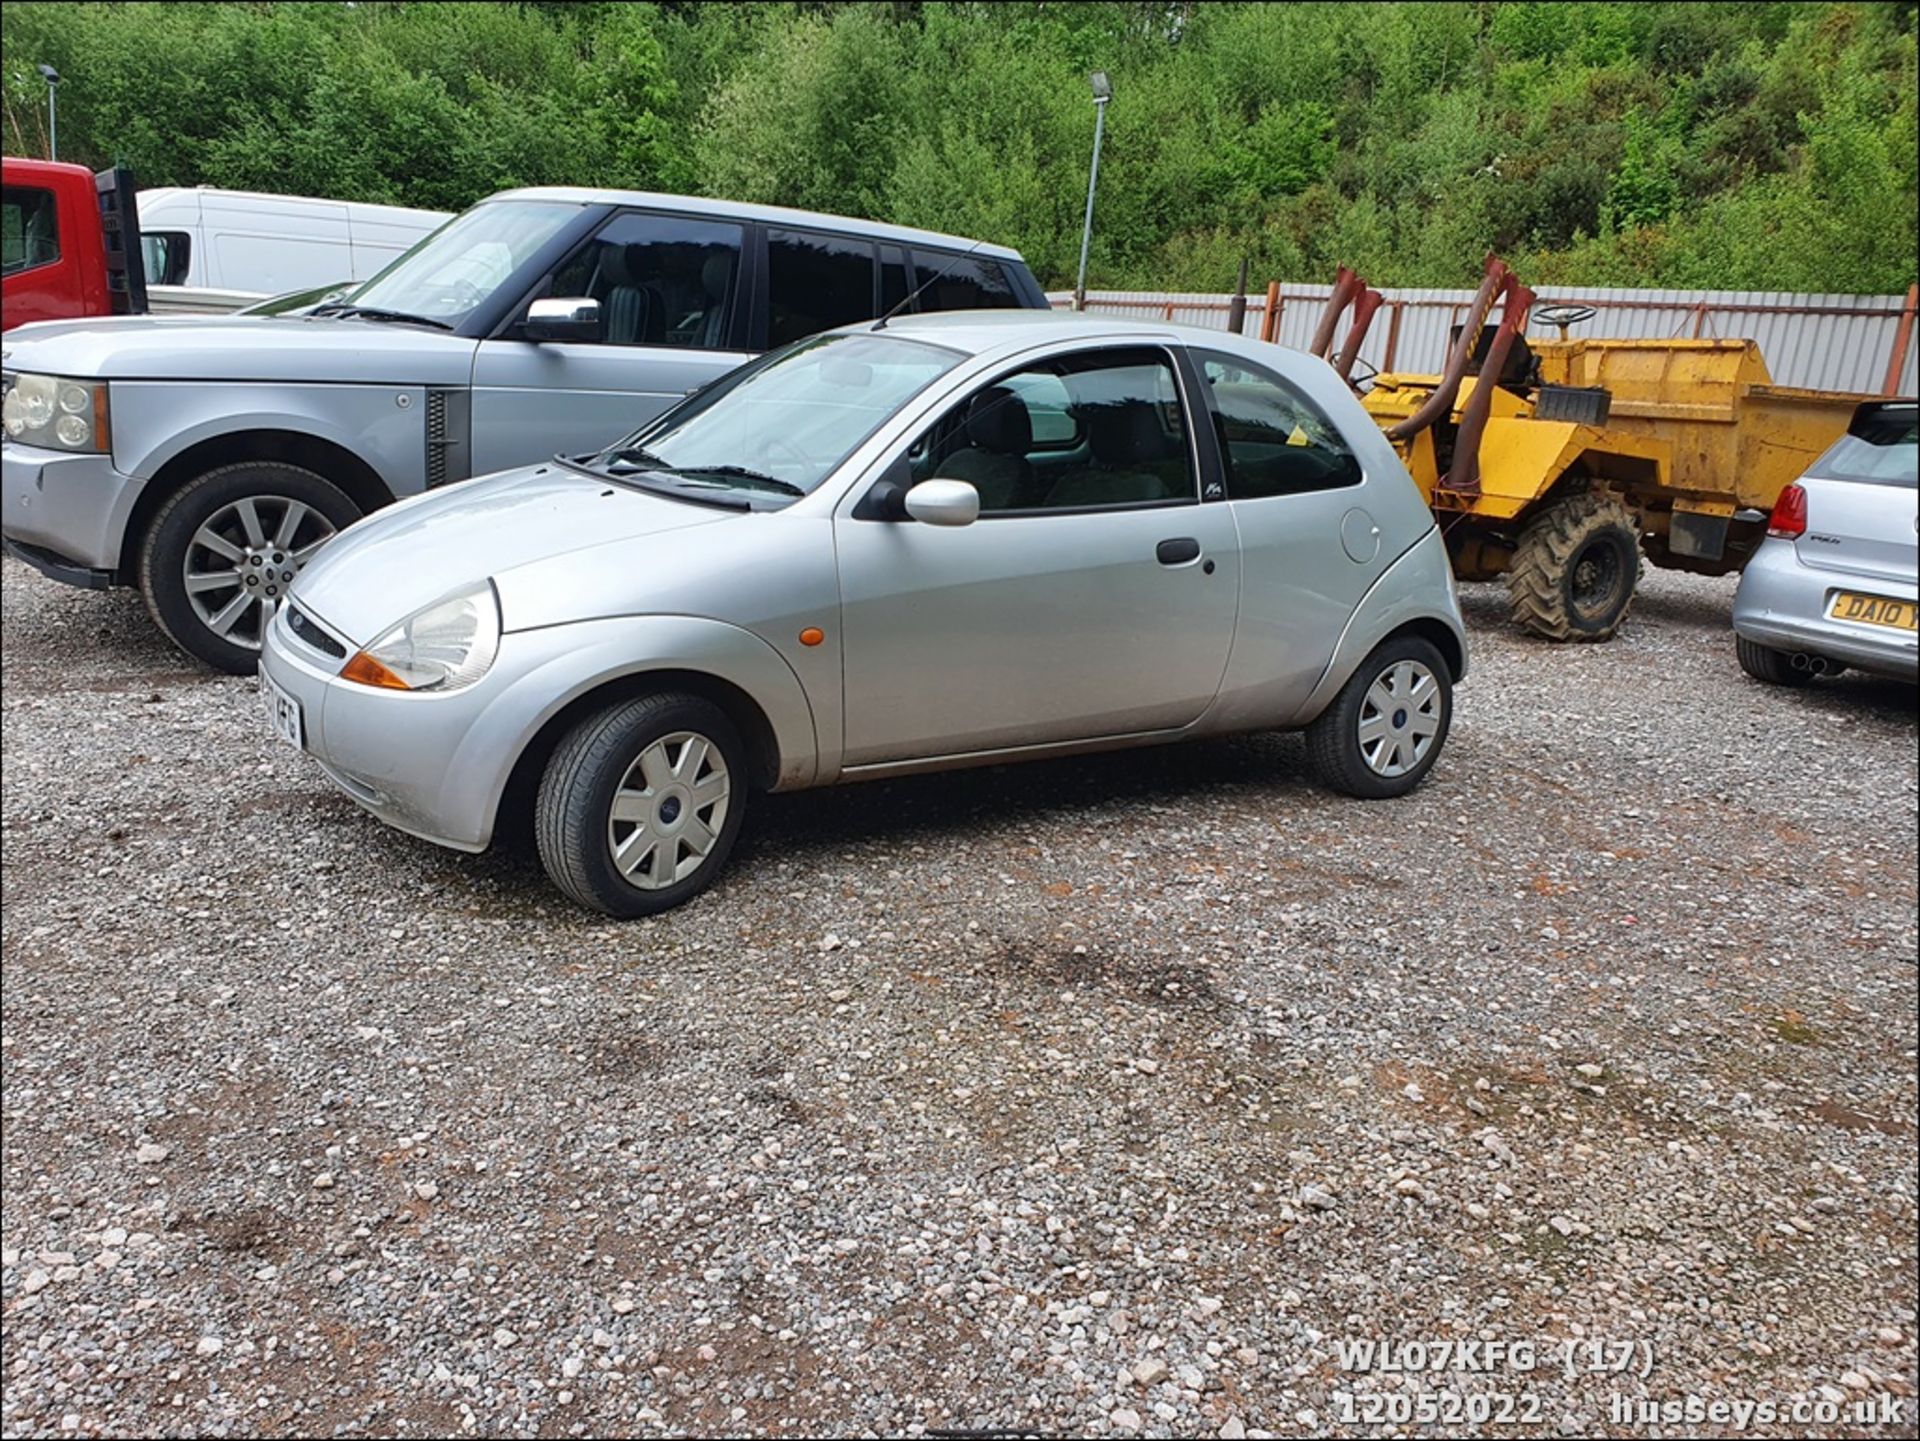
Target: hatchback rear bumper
(1782, 604)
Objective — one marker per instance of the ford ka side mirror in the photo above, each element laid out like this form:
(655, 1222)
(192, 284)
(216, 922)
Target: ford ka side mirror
(571, 318)
(944, 502)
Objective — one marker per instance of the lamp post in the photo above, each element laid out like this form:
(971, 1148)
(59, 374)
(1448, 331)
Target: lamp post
(1102, 93)
(52, 77)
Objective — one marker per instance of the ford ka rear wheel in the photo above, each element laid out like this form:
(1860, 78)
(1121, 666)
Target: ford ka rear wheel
(1385, 729)
(641, 803)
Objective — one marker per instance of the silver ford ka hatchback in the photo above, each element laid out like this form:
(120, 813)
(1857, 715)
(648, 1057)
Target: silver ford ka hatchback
(942, 541)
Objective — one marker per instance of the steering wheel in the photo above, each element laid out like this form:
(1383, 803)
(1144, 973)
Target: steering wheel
(1562, 315)
(1362, 382)
(465, 294)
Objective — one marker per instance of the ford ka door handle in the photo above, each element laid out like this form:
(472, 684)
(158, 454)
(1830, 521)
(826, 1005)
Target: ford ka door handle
(1177, 551)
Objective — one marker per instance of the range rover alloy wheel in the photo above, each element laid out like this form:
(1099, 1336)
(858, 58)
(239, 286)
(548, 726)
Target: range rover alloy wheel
(221, 554)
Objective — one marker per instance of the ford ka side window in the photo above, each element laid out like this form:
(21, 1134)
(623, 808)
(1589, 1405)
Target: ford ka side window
(1085, 432)
(1273, 440)
(660, 280)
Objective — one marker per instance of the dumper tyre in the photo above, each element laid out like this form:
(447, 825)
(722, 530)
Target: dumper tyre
(1576, 568)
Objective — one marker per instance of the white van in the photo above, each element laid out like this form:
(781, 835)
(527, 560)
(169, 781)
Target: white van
(257, 245)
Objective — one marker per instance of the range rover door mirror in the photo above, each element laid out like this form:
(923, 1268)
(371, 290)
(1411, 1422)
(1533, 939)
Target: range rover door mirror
(569, 318)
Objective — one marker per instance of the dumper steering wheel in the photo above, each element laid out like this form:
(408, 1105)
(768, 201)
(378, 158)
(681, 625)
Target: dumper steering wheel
(1562, 316)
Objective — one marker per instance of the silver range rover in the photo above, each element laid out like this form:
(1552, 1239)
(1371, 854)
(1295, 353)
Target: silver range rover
(205, 459)
(1835, 583)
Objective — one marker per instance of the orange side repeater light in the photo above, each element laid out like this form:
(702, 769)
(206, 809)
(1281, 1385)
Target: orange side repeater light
(812, 635)
(368, 671)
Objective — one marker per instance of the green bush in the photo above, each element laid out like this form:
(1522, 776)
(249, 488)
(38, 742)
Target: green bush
(1754, 145)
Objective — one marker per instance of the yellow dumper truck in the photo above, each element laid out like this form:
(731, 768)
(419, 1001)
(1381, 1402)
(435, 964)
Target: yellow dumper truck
(1557, 463)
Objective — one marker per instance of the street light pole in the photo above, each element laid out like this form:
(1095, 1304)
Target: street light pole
(1102, 93)
(52, 77)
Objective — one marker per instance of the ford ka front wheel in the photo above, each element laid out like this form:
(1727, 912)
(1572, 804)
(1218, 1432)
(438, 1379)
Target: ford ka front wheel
(641, 803)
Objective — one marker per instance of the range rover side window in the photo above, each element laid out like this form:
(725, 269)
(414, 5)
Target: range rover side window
(660, 279)
(815, 282)
(893, 278)
(964, 282)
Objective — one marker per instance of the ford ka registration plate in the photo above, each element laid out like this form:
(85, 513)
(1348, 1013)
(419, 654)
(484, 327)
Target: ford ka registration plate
(283, 713)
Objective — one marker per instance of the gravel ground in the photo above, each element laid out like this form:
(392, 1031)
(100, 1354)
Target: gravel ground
(1101, 1097)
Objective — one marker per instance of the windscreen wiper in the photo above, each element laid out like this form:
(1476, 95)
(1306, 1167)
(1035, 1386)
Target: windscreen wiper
(633, 455)
(740, 472)
(718, 498)
(374, 312)
(640, 459)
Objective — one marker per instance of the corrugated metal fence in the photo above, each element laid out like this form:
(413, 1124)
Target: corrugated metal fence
(1828, 342)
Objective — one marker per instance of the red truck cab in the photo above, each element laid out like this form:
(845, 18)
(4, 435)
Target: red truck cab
(69, 243)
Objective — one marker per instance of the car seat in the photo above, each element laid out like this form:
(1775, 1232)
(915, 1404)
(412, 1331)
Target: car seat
(716, 276)
(630, 300)
(999, 433)
(1132, 459)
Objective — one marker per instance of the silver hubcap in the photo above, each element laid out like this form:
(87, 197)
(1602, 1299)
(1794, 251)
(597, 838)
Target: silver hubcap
(669, 811)
(240, 563)
(1400, 718)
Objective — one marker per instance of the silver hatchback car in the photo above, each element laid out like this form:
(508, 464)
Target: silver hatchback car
(937, 542)
(1836, 581)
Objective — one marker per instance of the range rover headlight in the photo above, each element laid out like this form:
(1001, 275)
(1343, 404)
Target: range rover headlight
(448, 645)
(56, 413)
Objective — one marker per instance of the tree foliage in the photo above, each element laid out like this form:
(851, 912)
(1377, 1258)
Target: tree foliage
(1756, 145)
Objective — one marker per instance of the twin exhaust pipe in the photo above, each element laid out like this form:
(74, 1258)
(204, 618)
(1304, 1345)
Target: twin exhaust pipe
(1811, 664)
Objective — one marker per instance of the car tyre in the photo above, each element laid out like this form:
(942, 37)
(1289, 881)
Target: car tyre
(258, 522)
(640, 804)
(1386, 728)
(1772, 666)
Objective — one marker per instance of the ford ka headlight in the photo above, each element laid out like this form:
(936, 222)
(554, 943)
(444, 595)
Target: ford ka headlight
(59, 414)
(447, 646)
